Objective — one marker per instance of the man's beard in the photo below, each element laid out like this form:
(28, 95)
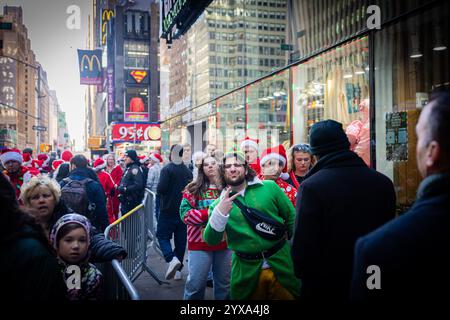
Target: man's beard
(234, 183)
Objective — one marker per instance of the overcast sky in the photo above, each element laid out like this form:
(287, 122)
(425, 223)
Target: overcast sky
(55, 47)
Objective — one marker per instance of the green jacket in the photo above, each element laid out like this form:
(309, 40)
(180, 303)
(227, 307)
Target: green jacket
(267, 197)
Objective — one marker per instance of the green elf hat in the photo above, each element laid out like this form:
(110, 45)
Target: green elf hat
(234, 152)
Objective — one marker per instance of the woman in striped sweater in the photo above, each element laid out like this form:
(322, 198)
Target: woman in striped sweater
(197, 198)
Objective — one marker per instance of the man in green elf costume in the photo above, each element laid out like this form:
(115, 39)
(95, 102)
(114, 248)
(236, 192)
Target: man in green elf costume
(262, 266)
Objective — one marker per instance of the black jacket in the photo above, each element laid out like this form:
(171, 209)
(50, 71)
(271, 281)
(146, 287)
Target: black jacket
(412, 251)
(29, 269)
(101, 249)
(340, 200)
(132, 185)
(172, 180)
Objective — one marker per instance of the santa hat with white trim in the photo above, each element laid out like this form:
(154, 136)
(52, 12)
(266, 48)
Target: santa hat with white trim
(156, 157)
(277, 153)
(253, 143)
(27, 160)
(44, 158)
(11, 155)
(99, 164)
(56, 164)
(143, 158)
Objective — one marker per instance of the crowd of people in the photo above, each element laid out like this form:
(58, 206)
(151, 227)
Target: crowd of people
(304, 223)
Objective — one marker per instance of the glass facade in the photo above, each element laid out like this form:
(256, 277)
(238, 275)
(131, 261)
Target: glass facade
(374, 82)
(411, 59)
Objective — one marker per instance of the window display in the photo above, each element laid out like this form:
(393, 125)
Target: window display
(136, 107)
(335, 85)
(411, 59)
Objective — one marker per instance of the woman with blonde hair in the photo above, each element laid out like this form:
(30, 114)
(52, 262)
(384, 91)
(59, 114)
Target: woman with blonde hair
(42, 196)
(300, 161)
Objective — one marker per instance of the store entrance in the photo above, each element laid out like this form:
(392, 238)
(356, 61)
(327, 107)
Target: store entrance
(196, 132)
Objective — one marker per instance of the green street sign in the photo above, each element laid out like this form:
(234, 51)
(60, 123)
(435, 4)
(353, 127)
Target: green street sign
(287, 47)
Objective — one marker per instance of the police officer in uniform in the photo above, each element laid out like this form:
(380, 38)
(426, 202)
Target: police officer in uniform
(131, 188)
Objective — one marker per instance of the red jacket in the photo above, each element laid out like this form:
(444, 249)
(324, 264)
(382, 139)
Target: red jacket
(106, 181)
(116, 174)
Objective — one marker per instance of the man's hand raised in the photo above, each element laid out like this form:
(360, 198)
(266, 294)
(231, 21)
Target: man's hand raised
(226, 203)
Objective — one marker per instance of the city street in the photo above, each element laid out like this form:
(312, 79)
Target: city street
(149, 289)
(301, 147)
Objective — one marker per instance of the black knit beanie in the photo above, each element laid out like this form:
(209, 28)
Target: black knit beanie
(326, 137)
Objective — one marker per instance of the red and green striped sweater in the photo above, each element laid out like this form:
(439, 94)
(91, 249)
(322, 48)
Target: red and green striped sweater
(194, 213)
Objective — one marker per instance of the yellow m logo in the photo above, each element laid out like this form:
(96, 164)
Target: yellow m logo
(107, 14)
(90, 61)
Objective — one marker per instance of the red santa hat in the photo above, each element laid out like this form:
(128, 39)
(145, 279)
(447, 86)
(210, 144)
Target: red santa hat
(11, 155)
(44, 158)
(253, 143)
(56, 164)
(276, 153)
(66, 155)
(156, 157)
(99, 164)
(26, 160)
(36, 164)
(143, 158)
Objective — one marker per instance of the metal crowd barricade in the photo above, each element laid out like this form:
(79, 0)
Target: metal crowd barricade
(151, 223)
(131, 231)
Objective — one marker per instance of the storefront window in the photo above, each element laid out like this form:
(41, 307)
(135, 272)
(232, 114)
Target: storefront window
(136, 54)
(334, 85)
(230, 119)
(411, 59)
(268, 116)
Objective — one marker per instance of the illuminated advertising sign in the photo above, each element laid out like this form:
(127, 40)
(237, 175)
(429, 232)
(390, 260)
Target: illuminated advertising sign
(107, 14)
(135, 132)
(136, 105)
(182, 13)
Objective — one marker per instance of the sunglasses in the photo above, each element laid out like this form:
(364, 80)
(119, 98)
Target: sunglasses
(302, 147)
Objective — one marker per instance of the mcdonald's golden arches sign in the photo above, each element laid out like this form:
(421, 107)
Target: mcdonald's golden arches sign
(90, 64)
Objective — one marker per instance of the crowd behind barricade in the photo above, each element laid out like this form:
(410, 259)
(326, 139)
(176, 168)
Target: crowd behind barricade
(307, 223)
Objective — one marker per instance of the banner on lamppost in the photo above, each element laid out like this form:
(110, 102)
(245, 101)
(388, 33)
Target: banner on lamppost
(90, 64)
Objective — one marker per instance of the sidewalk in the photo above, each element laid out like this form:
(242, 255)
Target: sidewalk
(149, 289)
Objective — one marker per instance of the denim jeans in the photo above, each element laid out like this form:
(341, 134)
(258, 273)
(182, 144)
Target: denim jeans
(168, 225)
(199, 263)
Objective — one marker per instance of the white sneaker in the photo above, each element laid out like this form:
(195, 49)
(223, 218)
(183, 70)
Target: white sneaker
(173, 267)
(177, 275)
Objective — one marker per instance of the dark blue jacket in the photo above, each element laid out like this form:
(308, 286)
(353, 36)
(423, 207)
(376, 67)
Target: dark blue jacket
(340, 200)
(412, 251)
(95, 194)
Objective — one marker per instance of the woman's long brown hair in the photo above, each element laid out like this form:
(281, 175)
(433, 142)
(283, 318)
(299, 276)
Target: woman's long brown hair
(201, 184)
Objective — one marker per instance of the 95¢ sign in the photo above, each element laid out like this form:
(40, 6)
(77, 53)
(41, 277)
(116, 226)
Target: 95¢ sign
(136, 132)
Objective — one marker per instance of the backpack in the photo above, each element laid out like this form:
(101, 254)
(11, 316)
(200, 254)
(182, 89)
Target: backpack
(74, 195)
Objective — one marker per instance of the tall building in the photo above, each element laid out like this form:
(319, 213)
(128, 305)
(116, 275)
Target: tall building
(230, 44)
(127, 32)
(18, 96)
(53, 120)
(370, 68)
(44, 105)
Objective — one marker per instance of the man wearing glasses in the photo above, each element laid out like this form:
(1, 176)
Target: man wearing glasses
(262, 268)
